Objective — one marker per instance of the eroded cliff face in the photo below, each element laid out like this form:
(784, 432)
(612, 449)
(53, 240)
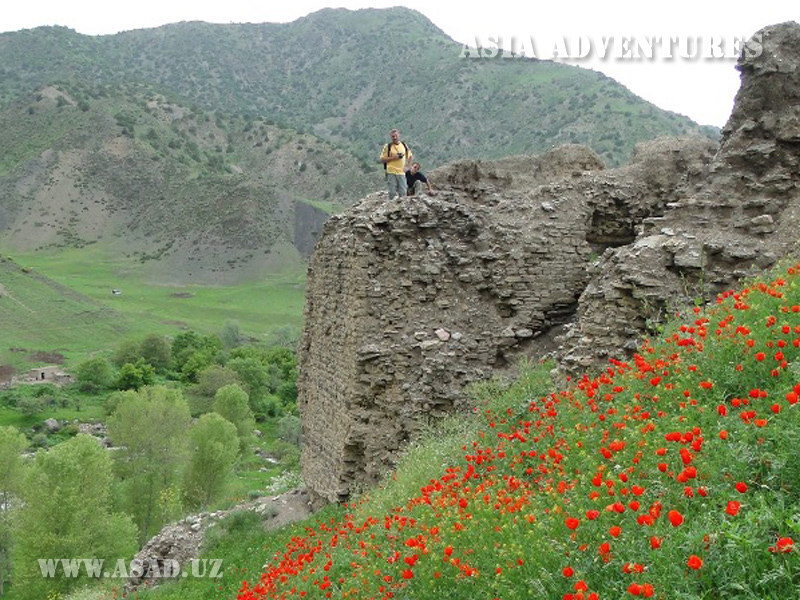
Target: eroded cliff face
(409, 301)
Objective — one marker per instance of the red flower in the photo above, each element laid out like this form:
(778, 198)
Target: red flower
(572, 523)
(741, 487)
(408, 574)
(675, 518)
(655, 542)
(615, 531)
(785, 544)
(568, 572)
(695, 562)
(733, 507)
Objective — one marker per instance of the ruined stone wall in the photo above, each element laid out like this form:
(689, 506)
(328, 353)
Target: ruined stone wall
(408, 301)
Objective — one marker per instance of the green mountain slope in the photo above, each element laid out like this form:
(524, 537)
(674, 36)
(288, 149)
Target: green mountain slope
(196, 196)
(349, 76)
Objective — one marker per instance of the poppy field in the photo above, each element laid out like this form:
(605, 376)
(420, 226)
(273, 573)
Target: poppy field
(672, 475)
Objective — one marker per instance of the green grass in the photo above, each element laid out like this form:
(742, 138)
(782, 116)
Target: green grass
(43, 319)
(257, 305)
(330, 208)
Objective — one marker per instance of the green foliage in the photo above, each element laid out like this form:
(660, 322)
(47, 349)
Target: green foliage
(128, 351)
(214, 447)
(12, 443)
(232, 403)
(32, 405)
(150, 426)
(193, 352)
(156, 351)
(214, 377)
(94, 374)
(209, 381)
(255, 376)
(67, 512)
(270, 374)
(289, 429)
(135, 376)
(231, 335)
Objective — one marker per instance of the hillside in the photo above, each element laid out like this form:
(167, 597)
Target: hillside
(349, 76)
(40, 315)
(193, 195)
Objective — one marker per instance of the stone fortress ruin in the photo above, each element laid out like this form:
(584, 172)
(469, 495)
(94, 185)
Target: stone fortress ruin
(552, 255)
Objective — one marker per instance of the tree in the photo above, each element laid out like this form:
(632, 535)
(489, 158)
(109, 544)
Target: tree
(135, 376)
(192, 353)
(12, 443)
(214, 447)
(231, 335)
(157, 352)
(254, 375)
(67, 513)
(95, 374)
(232, 403)
(150, 427)
(127, 352)
(209, 380)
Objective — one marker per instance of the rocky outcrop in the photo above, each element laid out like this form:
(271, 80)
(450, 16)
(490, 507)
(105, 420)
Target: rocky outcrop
(740, 218)
(411, 300)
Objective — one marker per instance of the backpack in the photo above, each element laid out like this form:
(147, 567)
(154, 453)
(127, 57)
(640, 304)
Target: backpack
(389, 145)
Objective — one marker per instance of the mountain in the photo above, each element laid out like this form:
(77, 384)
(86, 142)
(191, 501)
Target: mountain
(196, 196)
(213, 153)
(348, 77)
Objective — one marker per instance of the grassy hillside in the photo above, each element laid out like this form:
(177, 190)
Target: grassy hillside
(349, 76)
(672, 475)
(43, 322)
(71, 313)
(194, 196)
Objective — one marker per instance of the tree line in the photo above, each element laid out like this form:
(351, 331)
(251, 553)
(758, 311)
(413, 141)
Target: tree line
(180, 414)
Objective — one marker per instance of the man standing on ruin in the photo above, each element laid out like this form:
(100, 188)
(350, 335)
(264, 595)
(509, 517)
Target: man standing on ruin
(396, 158)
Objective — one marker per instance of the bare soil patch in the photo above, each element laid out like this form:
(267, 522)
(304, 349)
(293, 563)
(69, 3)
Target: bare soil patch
(53, 358)
(6, 373)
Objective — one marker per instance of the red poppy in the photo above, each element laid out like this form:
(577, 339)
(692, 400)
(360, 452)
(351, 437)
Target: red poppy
(655, 542)
(675, 518)
(695, 562)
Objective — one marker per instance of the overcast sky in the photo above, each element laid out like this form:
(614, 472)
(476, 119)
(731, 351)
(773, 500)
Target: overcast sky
(675, 69)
